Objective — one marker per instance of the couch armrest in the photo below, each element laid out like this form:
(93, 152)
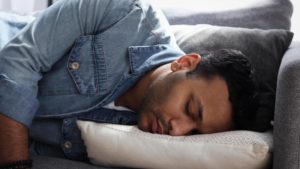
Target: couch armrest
(287, 111)
(42, 162)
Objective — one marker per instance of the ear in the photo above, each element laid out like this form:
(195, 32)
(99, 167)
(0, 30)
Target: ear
(188, 61)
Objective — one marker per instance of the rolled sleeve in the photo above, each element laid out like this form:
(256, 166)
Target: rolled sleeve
(17, 102)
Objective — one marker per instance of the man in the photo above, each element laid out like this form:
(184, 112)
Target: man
(107, 61)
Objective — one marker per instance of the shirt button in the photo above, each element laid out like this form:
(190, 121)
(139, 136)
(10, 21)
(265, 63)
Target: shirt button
(74, 65)
(68, 144)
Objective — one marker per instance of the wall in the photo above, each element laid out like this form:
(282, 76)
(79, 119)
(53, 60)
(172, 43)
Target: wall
(22, 6)
(296, 19)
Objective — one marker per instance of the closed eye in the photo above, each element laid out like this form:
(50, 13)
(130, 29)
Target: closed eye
(200, 112)
(193, 132)
(190, 111)
(187, 109)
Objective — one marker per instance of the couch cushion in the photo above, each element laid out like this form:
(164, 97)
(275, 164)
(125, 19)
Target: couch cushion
(43, 162)
(265, 14)
(264, 48)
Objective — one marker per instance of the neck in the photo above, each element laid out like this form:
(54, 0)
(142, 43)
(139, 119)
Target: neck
(133, 97)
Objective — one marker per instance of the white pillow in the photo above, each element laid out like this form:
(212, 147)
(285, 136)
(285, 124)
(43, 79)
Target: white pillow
(127, 146)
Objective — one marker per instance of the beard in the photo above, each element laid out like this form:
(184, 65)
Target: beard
(152, 104)
(147, 109)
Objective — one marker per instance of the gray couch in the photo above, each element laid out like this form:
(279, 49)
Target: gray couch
(264, 14)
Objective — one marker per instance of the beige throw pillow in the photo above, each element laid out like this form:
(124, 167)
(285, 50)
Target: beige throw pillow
(127, 146)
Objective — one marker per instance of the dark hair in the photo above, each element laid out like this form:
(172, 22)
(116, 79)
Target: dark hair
(236, 69)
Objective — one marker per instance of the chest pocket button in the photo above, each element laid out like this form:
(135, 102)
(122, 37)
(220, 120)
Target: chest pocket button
(68, 145)
(75, 65)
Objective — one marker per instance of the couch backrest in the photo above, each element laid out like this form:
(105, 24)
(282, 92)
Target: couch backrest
(264, 14)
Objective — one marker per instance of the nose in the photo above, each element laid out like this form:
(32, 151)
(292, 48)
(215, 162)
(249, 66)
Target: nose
(180, 127)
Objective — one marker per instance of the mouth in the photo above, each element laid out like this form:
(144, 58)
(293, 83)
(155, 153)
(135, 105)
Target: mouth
(157, 127)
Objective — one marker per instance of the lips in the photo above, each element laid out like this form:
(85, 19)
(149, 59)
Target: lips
(156, 127)
(159, 129)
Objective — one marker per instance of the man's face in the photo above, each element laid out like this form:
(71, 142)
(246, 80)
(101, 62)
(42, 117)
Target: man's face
(177, 105)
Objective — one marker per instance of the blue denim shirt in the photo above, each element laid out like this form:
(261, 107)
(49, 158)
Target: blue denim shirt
(74, 58)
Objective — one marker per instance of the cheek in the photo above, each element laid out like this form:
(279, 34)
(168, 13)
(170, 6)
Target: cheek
(172, 107)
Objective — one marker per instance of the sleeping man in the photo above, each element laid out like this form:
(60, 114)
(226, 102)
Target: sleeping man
(111, 61)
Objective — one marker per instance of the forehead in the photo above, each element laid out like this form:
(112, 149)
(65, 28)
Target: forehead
(213, 94)
(214, 88)
(215, 85)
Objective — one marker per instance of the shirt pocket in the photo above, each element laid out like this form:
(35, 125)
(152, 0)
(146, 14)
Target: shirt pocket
(87, 67)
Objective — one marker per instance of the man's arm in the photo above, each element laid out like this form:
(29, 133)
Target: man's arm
(14, 140)
(32, 52)
(42, 43)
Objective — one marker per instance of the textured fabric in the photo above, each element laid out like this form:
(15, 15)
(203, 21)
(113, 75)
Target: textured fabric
(264, 48)
(41, 162)
(265, 14)
(227, 150)
(113, 106)
(287, 114)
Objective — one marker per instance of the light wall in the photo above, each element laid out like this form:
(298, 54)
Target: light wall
(22, 6)
(296, 19)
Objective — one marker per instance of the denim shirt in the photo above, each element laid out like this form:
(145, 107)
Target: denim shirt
(77, 56)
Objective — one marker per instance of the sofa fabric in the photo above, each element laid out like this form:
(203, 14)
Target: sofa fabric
(42, 162)
(264, 14)
(287, 111)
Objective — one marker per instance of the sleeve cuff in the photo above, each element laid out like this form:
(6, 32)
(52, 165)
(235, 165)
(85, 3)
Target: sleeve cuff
(17, 102)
